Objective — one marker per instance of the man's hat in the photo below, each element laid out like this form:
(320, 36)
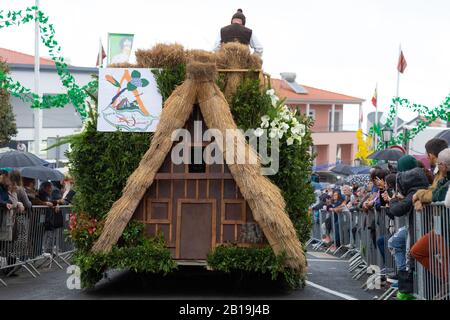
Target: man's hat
(239, 15)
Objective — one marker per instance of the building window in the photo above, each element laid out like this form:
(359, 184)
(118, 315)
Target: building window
(337, 120)
(312, 114)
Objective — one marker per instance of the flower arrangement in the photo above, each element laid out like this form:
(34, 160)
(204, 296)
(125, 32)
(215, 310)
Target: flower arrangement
(83, 230)
(281, 122)
(364, 147)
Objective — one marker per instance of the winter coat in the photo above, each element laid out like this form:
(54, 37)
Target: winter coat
(22, 197)
(4, 197)
(6, 216)
(408, 183)
(447, 199)
(426, 195)
(441, 189)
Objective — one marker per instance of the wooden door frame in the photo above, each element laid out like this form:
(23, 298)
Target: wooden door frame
(180, 202)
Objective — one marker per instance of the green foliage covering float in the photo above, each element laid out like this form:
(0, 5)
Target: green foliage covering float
(293, 178)
(101, 164)
(248, 106)
(149, 256)
(259, 260)
(168, 78)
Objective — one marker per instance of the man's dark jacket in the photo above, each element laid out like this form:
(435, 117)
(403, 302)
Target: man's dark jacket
(236, 32)
(408, 183)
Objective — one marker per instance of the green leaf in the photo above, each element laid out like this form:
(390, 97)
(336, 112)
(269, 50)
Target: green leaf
(145, 82)
(131, 87)
(135, 74)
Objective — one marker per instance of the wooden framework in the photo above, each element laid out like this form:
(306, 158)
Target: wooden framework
(161, 209)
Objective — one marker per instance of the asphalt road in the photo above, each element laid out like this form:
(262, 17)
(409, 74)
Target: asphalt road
(328, 280)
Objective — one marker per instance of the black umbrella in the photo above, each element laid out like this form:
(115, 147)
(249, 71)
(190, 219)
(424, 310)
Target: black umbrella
(343, 169)
(41, 173)
(18, 159)
(387, 155)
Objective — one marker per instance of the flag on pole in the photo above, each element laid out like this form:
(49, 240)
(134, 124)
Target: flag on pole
(375, 97)
(102, 54)
(401, 63)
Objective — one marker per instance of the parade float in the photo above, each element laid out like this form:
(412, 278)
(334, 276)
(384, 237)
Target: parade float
(137, 209)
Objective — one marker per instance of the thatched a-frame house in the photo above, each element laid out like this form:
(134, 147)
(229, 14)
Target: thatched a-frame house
(200, 207)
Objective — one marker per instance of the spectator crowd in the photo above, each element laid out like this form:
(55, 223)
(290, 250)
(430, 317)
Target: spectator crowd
(18, 195)
(401, 189)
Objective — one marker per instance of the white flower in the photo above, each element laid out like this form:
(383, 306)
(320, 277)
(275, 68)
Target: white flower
(290, 141)
(274, 100)
(285, 126)
(265, 122)
(294, 121)
(302, 129)
(273, 133)
(280, 134)
(259, 132)
(270, 92)
(295, 130)
(274, 123)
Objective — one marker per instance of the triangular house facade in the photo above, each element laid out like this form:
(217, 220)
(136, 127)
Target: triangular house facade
(200, 206)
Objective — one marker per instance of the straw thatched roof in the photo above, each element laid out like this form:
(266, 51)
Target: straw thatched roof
(264, 198)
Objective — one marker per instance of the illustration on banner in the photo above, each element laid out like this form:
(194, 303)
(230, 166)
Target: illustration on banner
(128, 100)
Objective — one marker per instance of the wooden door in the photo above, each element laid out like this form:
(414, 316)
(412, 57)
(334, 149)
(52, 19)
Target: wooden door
(196, 225)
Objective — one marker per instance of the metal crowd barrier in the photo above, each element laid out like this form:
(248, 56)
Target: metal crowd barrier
(366, 237)
(23, 237)
(431, 252)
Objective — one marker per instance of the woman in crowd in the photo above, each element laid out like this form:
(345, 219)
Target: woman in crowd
(410, 178)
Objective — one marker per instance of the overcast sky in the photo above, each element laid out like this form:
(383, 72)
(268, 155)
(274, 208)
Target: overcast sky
(346, 46)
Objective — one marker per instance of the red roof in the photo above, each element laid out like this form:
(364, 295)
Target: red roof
(11, 56)
(314, 95)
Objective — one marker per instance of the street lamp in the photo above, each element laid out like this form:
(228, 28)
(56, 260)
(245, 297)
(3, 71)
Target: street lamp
(386, 133)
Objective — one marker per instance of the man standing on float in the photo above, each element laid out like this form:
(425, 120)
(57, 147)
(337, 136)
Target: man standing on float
(237, 32)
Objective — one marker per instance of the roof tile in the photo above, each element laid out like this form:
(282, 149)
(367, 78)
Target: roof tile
(11, 56)
(313, 95)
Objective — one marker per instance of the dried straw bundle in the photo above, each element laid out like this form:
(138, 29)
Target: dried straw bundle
(122, 65)
(234, 56)
(161, 56)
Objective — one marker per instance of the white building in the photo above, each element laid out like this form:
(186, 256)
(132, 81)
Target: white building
(55, 121)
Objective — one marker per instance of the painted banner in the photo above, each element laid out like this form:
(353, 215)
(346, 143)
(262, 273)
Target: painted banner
(128, 100)
(119, 47)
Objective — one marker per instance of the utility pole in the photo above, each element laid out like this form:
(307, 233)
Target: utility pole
(37, 111)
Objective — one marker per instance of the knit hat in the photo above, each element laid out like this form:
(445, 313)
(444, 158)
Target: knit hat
(444, 157)
(406, 163)
(239, 15)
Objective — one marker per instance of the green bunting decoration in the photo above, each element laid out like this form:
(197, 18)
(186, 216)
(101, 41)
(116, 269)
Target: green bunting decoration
(75, 94)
